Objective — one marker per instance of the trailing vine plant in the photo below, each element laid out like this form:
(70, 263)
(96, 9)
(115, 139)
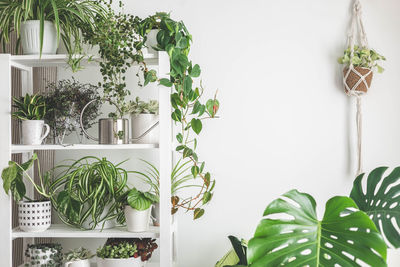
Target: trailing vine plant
(121, 38)
(186, 99)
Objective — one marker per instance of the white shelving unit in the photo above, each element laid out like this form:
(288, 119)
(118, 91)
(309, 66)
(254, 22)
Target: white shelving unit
(165, 232)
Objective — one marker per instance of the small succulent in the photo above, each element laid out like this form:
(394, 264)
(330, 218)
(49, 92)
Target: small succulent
(122, 250)
(118, 248)
(78, 254)
(362, 57)
(140, 107)
(30, 107)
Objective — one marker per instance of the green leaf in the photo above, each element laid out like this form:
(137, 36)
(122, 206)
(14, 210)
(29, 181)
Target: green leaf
(179, 148)
(195, 171)
(381, 203)
(195, 71)
(344, 235)
(196, 107)
(196, 125)
(68, 205)
(138, 200)
(212, 106)
(166, 82)
(179, 138)
(187, 152)
(198, 213)
(9, 175)
(19, 191)
(187, 85)
(207, 197)
(150, 76)
(176, 115)
(207, 176)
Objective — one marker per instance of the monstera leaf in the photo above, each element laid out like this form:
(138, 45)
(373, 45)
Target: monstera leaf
(345, 236)
(381, 203)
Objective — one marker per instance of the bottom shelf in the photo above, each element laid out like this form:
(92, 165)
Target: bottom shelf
(149, 264)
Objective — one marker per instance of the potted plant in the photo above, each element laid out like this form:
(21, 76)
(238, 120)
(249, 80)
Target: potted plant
(86, 192)
(44, 255)
(40, 24)
(121, 252)
(365, 62)
(137, 209)
(78, 258)
(65, 100)
(144, 115)
(31, 110)
(180, 178)
(33, 215)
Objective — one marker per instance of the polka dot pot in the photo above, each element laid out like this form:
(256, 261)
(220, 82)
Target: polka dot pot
(34, 216)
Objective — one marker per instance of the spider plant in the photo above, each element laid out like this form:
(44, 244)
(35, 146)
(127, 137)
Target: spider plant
(70, 18)
(87, 190)
(179, 177)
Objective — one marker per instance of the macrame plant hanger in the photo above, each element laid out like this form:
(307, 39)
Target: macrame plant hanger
(357, 80)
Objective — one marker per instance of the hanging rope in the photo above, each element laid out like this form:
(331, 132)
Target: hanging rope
(357, 31)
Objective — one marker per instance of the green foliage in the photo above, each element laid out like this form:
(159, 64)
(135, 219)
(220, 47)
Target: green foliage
(85, 189)
(65, 100)
(78, 254)
(30, 107)
(345, 236)
(71, 19)
(174, 38)
(380, 203)
(13, 179)
(237, 256)
(140, 107)
(123, 250)
(362, 57)
(139, 200)
(180, 178)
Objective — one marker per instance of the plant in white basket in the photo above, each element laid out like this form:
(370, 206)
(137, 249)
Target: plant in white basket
(40, 255)
(144, 116)
(33, 215)
(136, 207)
(122, 252)
(31, 110)
(78, 258)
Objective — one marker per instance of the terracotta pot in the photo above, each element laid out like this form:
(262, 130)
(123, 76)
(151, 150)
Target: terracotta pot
(353, 78)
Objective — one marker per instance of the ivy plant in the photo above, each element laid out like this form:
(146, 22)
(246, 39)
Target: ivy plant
(362, 57)
(189, 110)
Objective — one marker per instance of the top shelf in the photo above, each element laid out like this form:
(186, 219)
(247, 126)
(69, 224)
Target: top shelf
(60, 60)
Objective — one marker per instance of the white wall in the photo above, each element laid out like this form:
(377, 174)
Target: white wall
(285, 121)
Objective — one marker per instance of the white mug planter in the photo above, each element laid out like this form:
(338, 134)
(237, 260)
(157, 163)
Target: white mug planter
(155, 213)
(30, 37)
(32, 132)
(77, 263)
(141, 123)
(131, 262)
(34, 216)
(152, 41)
(137, 220)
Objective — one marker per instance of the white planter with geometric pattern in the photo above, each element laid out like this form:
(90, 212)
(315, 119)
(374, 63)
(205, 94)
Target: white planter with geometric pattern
(34, 216)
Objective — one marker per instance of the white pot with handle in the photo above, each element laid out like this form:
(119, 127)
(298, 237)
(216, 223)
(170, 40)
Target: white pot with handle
(130, 262)
(30, 38)
(77, 263)
(137, 220)
(32, 132)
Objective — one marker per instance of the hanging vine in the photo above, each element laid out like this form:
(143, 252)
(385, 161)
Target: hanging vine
(121, 38)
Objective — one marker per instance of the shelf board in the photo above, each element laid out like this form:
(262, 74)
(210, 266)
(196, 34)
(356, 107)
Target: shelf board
(148, 264)
(27, 148)
(65, 231)
(58, 60)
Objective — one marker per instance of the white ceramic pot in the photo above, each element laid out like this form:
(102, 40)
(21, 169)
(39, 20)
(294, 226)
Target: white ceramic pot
(34, 216)
(107, 224)
(32, 132)
(137, 220)
(155, 213)
(77, 263)
(30, 37)
(141, 123)
(152, 41)
(131, 262)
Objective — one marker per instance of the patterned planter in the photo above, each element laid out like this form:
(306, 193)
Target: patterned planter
(34, 216)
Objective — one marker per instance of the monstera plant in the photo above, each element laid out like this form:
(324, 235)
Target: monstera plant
(346, 236)
(381, 203)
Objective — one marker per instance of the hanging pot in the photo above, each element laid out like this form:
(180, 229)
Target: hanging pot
(353, 78)
(113, 131)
